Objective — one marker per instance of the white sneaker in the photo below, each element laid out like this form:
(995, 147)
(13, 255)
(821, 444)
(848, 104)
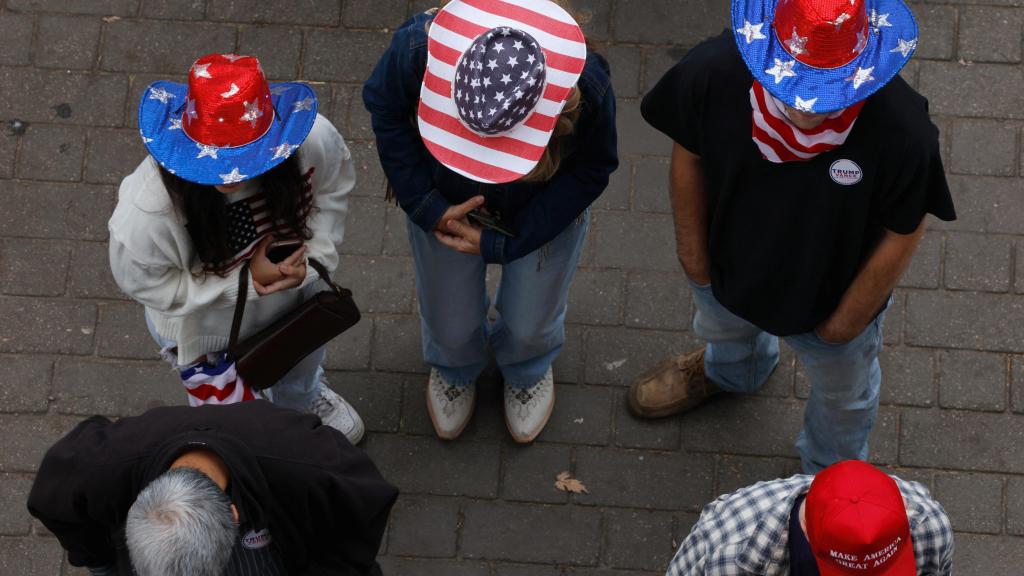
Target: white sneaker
(527, 409)
(450, 406)
(335, 412)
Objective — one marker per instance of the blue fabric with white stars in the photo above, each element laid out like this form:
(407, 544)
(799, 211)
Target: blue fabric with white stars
(892, 40)
(499, 81)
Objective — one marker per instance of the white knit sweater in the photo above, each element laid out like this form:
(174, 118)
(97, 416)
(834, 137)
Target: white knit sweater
(153, 261)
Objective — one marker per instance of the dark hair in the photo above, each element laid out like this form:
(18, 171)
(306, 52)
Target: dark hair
(206, 215)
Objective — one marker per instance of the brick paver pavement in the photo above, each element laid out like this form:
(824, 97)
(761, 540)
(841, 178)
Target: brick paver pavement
(72, 345)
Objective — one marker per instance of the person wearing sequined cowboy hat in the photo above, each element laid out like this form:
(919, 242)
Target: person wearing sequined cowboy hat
(802, 170)
(496, 131)
(234, 164)
(850, 518)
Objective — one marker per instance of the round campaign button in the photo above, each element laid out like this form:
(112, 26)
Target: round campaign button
(846, 172)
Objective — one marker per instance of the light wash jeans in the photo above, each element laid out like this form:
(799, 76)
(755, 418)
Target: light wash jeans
(845, 378)
(531, 304)
(296, 390)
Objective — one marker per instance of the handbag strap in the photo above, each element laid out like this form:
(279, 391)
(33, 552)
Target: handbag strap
(243, 294)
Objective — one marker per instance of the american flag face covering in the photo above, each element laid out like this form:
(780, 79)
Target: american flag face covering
(779, 140)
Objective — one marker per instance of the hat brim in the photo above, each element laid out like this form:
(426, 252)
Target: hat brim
(888, 50)
(513, 154)
(159, 126)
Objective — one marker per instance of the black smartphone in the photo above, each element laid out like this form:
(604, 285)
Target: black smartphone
(488, 221)
(281, 249)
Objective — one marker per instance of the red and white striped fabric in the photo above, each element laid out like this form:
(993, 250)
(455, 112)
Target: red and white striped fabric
(210, 384)
(514, 153)
(779, 140)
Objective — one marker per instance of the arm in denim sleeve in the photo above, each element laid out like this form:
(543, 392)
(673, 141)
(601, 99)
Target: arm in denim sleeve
(580, 180)
(391, 96)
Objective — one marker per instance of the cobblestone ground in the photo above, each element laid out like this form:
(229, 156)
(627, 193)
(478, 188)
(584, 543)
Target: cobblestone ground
(71, 345)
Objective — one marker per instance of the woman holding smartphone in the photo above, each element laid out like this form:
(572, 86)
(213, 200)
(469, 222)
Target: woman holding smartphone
(496, 130)
(239, 171)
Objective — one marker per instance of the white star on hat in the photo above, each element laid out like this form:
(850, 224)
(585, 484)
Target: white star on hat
(513, 62)
(499, 47)
(749, 31)
(905, 47)
(205, 150)
(505, 79)
(861, 76)
(190, 111)
(879, 20)
(284, 150)
(233, 177)
(160, 94)
(805, 105)
(252, 112)
(202, 71)
(175, 124)
(231, 91)
(517, 45)
(304, 104)
(797, 45)
(862, 42)
(781, 70)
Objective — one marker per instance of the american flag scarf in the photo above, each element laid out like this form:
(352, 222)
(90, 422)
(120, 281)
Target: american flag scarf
(216, 382)
(779, 140)
(249, 222)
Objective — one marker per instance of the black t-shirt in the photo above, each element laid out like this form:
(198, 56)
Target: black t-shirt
(801, 557)
(786, 240)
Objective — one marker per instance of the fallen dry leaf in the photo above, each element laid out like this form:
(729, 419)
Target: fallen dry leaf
(566, 483)
(111, 19)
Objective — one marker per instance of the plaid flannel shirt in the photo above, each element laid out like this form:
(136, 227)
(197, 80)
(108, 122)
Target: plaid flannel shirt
(746, 533)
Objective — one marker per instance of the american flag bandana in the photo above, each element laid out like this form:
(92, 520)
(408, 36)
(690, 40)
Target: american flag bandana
(209, 383)
(249, 222)
(520, 59)
(779, 140)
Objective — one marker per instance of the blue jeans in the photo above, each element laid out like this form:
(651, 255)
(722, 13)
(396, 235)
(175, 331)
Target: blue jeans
(845, 378)
(296, 390)
(531, 304)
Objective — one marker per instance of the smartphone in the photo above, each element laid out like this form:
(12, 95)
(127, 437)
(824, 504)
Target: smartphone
(281, 249)
(488, 221)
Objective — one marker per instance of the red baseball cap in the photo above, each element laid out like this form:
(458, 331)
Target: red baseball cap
(857, 522)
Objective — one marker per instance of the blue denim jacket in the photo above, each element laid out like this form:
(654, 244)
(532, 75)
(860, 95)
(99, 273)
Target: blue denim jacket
(537, 212)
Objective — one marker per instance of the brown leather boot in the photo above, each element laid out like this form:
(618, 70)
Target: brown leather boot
(672, 387)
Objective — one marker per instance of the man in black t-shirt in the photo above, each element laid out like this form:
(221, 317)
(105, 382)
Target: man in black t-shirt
(802, 171)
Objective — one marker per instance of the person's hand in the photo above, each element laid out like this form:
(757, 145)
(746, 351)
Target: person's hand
(458, 212)
(292, 272)
(837, 331)
(263, 270)
(461, 237)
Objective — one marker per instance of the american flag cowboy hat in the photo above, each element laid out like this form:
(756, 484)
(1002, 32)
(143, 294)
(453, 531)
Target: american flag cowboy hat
(498, 75)
(824, 55)
(227, 124)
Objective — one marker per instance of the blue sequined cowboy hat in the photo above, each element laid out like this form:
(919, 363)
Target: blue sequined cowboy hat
(227, 124)
(824, 55)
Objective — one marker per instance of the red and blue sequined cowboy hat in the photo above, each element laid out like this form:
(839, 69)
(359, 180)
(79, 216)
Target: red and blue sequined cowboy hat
(227, 124)
(824, 55)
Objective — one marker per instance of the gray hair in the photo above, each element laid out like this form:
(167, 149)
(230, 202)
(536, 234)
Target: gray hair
(181, 525)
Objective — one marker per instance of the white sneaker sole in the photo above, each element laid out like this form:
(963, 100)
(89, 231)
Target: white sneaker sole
(540, 427)
(437, 429)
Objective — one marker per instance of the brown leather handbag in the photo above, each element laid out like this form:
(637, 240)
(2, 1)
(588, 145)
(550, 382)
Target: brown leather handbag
(265, 357)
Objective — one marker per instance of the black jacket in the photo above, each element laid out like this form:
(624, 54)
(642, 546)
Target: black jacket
(324, 501)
